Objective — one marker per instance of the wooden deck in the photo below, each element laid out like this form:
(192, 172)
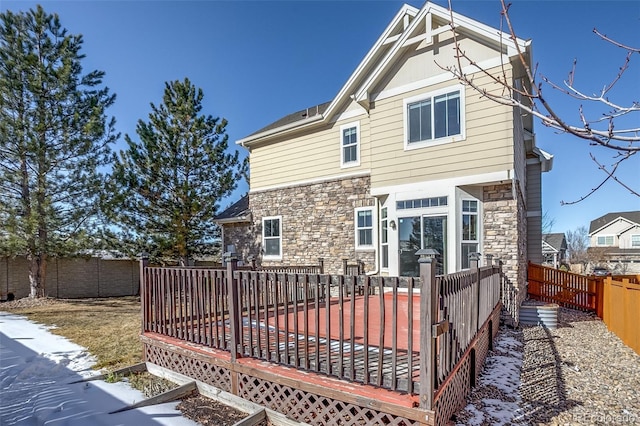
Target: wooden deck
(326, 349)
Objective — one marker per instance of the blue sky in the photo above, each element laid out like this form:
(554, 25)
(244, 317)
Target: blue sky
(259, 61)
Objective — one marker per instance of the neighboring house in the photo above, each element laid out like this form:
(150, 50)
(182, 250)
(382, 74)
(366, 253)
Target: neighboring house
(615, 242)
(403, 157)
(554, 249)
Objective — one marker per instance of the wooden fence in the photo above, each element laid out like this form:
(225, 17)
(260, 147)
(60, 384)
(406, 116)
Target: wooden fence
(622, 310)
(616, 300)
(567, 289)
(402, 334)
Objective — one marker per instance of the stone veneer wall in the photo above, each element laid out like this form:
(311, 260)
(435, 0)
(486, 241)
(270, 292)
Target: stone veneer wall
(317, 221)
(242, 236)
(505, 231)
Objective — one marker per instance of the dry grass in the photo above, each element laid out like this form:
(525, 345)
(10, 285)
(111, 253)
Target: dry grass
(108, 328)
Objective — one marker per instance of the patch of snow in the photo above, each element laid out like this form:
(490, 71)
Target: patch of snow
(36, 368)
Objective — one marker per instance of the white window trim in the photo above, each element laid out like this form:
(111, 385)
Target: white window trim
(267, 256)
(374, 221)
(388, 220)
(344, 165)
(478, 215)
(631, 240)
(439, 141)
(613, 242)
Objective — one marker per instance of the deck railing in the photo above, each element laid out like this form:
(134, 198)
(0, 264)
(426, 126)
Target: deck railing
(381, 331)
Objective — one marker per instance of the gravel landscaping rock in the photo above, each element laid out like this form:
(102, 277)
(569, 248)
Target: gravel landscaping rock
(578, 374)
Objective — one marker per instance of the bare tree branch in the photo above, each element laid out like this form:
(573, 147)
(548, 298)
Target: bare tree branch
(529, 98)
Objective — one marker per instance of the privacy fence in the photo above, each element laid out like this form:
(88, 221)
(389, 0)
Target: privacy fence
(621, 309)
(615, 299)
(70, 278)
(326, 349)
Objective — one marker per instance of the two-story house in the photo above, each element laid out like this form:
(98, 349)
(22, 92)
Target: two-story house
(403, 157)
(554, 249)
(614, 240)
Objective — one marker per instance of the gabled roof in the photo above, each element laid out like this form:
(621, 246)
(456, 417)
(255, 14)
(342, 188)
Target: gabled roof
(556, 241)
(599, 223)
(409, 27)
(237, 212)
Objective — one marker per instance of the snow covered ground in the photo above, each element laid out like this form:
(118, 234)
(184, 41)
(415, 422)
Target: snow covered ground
(36, 368)
(496, 400)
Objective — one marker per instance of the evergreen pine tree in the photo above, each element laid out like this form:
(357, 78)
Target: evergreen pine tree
(54, 137)
(169, 184)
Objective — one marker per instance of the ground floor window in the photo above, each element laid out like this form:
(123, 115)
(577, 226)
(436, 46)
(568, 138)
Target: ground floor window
(384, 238)
(364, 228)
(272, 237)
(469, 230)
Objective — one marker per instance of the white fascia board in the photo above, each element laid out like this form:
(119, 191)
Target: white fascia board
(460, 21)
(382, 65)
(347, 88)
(606, 225)
(404, 10)
(548, 247)
(261, 137)
(478, 27)
(501, 176)
(546, 159)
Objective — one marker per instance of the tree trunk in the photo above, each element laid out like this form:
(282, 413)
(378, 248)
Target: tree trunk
(37, 275)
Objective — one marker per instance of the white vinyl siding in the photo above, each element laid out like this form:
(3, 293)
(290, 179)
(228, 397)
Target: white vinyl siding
(487, 146)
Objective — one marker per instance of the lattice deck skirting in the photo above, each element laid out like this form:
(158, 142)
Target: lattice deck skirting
(452, 395)
(317, 399)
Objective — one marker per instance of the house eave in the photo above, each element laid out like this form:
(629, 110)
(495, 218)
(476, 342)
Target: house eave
(279, 131)
(245, 218)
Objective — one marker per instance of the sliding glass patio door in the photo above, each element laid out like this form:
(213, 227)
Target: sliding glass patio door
(418, 232)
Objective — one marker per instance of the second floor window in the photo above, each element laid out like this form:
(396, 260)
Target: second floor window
(635, 240)
(605, 240)
(434, 117)
(349, 144)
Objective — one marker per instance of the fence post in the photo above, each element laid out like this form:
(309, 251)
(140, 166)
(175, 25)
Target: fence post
(252, 260)
(144, 262)
(489, 258)
(344, 266)
(321, 264)
(428, 318)
(234, 308)
(474, 262)
(360, 267)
